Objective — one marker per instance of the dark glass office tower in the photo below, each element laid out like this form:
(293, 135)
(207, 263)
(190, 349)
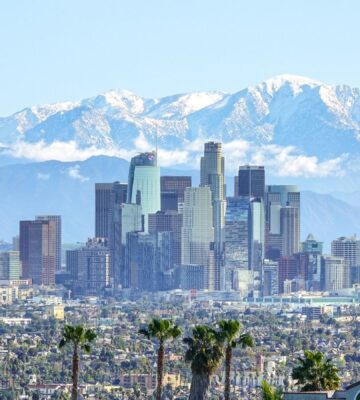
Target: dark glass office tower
(173, 187)
(106, 196)
(57, 220)
(38, 251)
(251, 181)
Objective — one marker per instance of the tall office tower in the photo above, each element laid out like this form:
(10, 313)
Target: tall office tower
(197, 235)
(288, 270)
(106, 196)
(270, 278)
(251, 181)
(212, 169)
(236, 238)
(57, 220)
(10, 265)
(278, 197)
(349, 248)
(256, 233)
(148, 260)
(169, 221)
(335, 273)
(126, 218)
(38, 250)
(172, 191)
(144, 184)
(89, 267)
(290, 230)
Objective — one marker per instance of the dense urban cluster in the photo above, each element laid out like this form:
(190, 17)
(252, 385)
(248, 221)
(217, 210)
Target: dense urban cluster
(194, 255)
(122, 363)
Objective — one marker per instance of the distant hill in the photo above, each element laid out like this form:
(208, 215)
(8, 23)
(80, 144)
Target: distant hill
(67, 188)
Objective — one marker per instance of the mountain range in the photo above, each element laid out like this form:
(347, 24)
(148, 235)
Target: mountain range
(304, 131)
(67, 188)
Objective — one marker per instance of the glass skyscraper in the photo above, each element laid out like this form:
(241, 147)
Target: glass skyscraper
(144, 184)
(236, 237)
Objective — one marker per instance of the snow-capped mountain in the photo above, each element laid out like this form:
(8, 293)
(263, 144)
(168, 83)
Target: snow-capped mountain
(315, 119)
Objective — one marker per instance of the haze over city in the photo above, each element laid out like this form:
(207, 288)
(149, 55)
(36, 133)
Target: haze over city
(179, 200)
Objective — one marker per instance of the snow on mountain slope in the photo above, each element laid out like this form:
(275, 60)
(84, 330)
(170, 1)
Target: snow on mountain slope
(283, 122)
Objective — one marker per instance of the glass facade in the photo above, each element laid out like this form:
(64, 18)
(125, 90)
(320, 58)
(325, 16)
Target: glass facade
(236, 237)
(144, 184)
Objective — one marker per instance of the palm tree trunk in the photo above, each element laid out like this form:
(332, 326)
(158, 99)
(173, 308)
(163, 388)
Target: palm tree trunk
(75, 373)
(160, 371)
(199, 386)
(228, 357)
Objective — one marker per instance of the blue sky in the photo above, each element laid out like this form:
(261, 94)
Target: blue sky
(70, 49)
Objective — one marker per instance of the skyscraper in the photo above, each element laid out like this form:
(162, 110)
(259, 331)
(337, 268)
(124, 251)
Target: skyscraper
(57, 220)
(236, 238)
(172, 191)
(149, 260)
(349, 249)
(278, 197)
(212, 171)
(251, 181)
(38, 250)
(335, 273)
(256, 233)
(169, 221)
(89, 267)
(126, 218)
(290, 230)
(106, 196)
(197, 244)
(144, 184)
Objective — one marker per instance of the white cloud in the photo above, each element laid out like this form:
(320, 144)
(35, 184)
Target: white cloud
(62, 151)
(74, 172)
(42, 177)
(278, 160)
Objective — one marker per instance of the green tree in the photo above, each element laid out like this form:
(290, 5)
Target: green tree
(270, 393)
(162, 330)
(316, 373)
(80, 339)
(205, 352)
(230, 334)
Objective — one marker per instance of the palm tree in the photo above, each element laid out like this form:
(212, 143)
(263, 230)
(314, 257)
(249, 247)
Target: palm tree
(80, 339)
(205, 351)
(230, 334)
(269, 393)
(316, 373)
(162, 330)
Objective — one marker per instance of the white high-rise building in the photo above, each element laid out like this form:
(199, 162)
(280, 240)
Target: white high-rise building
(197, 234)
(335, 273)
